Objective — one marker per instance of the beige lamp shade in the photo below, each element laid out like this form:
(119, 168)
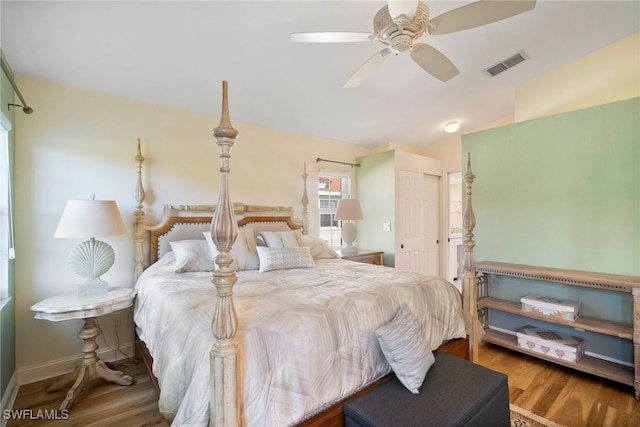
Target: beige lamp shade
(90, 218)
(91, 258)
(348, 209)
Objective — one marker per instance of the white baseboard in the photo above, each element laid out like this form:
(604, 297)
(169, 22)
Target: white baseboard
(8, 398)
(58, 367)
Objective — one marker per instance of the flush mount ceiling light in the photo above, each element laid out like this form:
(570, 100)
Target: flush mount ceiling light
(452, 126)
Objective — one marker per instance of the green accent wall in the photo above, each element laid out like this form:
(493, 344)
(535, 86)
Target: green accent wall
(561, 191)
(375, 183)
(7, 315)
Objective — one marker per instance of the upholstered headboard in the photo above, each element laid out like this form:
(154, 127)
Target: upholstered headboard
(183, 222)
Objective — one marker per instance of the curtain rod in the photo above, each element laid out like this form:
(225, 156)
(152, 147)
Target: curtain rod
(335, 161)
(25, 108)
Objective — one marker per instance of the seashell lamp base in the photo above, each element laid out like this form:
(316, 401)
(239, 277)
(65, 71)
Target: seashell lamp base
(91, 259)
(93, 287)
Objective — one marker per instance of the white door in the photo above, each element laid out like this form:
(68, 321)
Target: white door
(418, 222)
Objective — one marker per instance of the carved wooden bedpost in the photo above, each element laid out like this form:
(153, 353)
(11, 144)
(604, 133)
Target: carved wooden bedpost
(305, 202)
(469, 291)
(224, 230)
(138, 223)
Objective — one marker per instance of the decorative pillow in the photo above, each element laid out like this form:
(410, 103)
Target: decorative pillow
(319, 248)
(281, 239)
(404, 348)
(192, 255)
(243, 250)
(284, 258)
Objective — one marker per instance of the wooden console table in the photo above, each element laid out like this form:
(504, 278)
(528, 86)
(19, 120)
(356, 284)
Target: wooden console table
(610, 282)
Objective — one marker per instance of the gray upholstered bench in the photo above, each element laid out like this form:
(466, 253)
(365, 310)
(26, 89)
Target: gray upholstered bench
(455, 392)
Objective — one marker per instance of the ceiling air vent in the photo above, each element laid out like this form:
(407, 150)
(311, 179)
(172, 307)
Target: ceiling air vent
(505, 64)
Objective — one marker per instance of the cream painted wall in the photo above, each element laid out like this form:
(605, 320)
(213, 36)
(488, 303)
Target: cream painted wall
(79, 142)
(606, 75)
(390, 146)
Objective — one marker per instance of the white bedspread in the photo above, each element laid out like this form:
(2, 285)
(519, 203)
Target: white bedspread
(306, 335)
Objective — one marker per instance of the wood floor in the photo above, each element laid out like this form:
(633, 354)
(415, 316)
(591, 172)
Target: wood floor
(563, 395)
(559, 394)
(103, 404)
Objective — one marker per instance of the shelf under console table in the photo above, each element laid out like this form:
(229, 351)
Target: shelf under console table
(489, 299)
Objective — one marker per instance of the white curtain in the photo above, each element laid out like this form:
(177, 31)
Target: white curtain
(7, 250)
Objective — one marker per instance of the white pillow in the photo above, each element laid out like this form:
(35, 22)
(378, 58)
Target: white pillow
(281, 239)
(243, 250)
(319, 248)
(404, 348)
(284, 258)
(192, 255)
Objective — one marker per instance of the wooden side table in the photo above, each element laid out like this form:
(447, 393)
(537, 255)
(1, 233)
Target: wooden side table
(363, 255)
(88, 308)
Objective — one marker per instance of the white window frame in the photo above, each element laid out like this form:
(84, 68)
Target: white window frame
(332, 233)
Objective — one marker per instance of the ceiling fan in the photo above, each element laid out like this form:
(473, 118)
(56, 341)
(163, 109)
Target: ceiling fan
(400, 23)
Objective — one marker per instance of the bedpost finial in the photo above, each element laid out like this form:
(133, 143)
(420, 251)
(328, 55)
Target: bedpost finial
(469, 174)
(225, 128)
(139, 157)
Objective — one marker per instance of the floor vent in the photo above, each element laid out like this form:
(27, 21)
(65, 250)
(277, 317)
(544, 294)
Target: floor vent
(505, 64)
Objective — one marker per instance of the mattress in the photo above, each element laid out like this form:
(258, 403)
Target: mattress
(306, 336)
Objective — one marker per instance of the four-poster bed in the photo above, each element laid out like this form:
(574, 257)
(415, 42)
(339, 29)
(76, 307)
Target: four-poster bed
(303, 313)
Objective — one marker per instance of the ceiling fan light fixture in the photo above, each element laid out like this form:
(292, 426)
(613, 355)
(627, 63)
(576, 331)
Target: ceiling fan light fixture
(452, 126)
(402, 10)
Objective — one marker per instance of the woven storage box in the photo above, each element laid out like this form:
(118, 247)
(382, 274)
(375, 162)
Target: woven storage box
(560, 309)
(550, 343)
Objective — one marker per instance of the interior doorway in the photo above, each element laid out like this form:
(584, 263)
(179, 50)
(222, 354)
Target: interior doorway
(455, 229)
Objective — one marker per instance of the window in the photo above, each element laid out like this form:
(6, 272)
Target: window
(332, 186)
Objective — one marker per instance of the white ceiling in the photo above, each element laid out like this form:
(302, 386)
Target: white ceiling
(177, 53)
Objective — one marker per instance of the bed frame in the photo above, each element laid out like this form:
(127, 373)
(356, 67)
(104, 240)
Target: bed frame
(223, 221)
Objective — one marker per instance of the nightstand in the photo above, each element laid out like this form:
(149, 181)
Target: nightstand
(363, 255)
(88, 308)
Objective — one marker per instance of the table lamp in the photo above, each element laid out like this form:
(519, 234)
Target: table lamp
(91, 258)
(348, 210)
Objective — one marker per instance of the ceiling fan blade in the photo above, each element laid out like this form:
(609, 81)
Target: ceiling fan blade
(331, 37)
(478, 13)
(433, 61)
(402, 7)
(366, 69)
